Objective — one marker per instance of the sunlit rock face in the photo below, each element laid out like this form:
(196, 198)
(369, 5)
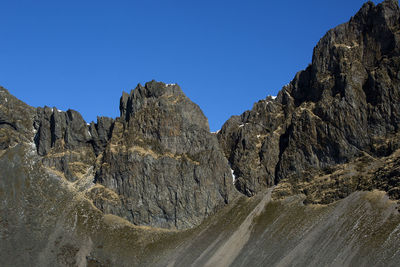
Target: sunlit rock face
(344, 105)
(154, 187)
(162, 161)
(156, 165)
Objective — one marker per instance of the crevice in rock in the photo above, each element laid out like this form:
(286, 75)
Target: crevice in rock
(283, 144)
(2, 122)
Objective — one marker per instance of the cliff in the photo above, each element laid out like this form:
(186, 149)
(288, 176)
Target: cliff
(315, 182)
(345, 105)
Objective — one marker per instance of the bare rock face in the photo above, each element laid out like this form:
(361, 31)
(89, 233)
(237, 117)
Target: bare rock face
(157, 164)
(329, 134)
(162, 161)
(345, 104)
(16, 120)
(251, 144)
(64, 141)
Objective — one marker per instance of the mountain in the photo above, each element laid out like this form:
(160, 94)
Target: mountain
(343, 107)
(157, 164)
(315, 176)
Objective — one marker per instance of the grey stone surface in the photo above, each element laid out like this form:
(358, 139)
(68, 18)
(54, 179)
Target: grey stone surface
(344, 104)
(157, 164)
(77, 194)
(163, 161)
(16, 120)
(46, 221)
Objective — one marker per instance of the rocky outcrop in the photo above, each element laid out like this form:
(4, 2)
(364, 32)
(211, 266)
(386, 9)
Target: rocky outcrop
(345, 104)
(45, 221)
(163, 166)
(157, 164)
(251, 144)
(64, 141)
(16, 120)
(74, 194)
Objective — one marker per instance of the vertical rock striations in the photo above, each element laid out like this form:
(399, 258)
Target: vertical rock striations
(163, 166)
(344, 105)
(64, 141)
(157, 164)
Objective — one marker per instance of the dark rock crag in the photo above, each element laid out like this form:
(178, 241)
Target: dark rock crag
(78, 194)
(162, 161)
(157, 164)
(64, 141)
(343, 106)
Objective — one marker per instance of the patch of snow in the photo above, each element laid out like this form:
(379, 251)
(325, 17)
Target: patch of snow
(32, 145)
(6, 99)
(216, 131)
(170, 84)
(89, 133)
(241, 125)
(34, 132)
(32, 149)
(273, 96)
(58, 110)
(233, 177)
(88, 124)
(258, 136)
(345, 46)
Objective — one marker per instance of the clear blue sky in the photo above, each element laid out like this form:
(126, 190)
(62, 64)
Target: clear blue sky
(225, 55)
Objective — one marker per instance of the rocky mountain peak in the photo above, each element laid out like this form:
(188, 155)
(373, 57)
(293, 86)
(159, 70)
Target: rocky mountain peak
(78, 194)
(157, 94)
(166, 138)
(154, 89)
(344, 104)
(369, 36)
(156, 165)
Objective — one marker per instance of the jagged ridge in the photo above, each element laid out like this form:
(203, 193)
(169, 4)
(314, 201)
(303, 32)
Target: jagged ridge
(332, 131)
(157, 164)
(343, 106)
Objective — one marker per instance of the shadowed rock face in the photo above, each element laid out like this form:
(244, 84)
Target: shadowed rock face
(345, 104)
(73, 194)
(162, 161)
(47, 221)
(16, 120)
(157, 164)
(65, 141)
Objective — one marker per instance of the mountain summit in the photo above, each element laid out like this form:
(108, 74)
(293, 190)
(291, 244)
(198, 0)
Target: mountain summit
(309, 178)
(345, 105)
